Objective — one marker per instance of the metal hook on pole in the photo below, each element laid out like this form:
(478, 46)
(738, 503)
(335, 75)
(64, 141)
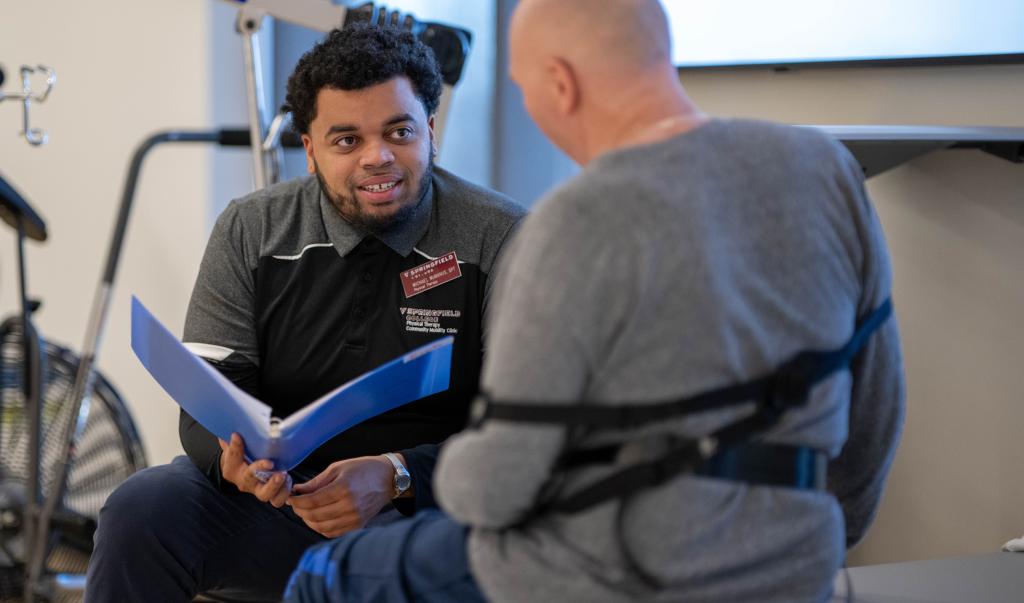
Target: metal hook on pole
(34, 136)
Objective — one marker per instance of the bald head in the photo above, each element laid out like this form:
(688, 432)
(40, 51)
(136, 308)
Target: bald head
(601, 35)
(596, 74)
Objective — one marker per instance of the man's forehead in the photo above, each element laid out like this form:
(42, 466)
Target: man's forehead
(371, 106)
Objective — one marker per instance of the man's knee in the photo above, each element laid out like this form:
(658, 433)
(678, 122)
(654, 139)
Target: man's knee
(153, 502)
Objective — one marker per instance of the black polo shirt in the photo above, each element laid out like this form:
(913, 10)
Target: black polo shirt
(292, 300)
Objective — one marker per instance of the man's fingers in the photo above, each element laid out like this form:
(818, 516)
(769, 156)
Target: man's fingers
(334, 528)
(280, 497)
(312, 485)
(236, 446)
(261, 465)
(319, 498)
(233, 452)
(321, 514)
(231, 463)
(242, 474)
(271, 489)
(247, 475)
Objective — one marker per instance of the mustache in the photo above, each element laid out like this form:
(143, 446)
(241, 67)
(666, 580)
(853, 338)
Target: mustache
(353, 213)
(371, 177)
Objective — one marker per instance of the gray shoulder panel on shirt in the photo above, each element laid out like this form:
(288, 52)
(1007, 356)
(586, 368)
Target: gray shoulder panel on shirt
(281, 219)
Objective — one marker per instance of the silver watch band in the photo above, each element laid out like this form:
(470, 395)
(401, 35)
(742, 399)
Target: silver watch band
(402, 478)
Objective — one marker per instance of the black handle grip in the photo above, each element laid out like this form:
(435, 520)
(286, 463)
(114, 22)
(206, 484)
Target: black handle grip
(14, 209)
(237, 137)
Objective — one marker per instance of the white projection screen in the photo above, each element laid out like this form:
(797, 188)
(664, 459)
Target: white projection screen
(783, 33)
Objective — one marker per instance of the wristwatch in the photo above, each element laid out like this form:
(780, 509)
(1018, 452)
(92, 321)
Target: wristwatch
(402, 478)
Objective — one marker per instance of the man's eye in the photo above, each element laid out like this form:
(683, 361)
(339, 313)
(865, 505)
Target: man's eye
(346, 141)
(401, 133)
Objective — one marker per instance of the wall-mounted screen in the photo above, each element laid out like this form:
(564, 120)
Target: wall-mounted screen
(780, 33)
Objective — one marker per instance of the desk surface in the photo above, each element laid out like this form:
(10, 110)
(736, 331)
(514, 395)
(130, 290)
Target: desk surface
(881, 148)
(994, 578)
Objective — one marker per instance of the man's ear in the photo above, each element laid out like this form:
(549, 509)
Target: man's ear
(307, 143)
(564, 86)
(433, 140)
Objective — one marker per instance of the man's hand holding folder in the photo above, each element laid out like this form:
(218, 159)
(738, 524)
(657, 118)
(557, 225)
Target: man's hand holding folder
(340, 499)
(256, 477)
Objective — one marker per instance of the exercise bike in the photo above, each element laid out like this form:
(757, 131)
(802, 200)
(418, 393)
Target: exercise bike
(36, 382)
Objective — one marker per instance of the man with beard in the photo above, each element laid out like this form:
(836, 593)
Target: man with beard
(304, 286)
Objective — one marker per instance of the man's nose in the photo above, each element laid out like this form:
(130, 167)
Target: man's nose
(376, 154)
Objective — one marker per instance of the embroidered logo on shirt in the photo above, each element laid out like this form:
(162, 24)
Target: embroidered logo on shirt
(434, 273)
(420, 320)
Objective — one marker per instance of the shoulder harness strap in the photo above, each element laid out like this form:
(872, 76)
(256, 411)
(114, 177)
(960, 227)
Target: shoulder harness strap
(787, 387)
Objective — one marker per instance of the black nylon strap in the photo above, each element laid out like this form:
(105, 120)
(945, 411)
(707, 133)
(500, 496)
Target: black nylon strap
(631, 479)
(626, 416)
(787, 387)
(759, 464)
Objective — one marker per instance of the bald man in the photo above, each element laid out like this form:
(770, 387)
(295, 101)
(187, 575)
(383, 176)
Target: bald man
(689, 336)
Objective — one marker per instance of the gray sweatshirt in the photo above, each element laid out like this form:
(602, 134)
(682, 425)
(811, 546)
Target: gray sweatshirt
(660, 272)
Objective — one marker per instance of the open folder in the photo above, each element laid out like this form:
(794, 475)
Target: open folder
(222, 408)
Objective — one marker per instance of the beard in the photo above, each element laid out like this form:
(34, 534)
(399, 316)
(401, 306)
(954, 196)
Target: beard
(353, 212)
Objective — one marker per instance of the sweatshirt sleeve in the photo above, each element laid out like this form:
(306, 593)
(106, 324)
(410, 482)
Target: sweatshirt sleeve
(857, 475)
(219, 327)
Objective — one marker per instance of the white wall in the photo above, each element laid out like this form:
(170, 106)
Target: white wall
(126, 68)
(955, 225)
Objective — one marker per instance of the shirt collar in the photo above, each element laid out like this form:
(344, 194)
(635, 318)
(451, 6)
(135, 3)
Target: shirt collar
(402, 238)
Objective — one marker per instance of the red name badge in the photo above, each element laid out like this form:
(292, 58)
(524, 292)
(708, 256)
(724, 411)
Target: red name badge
(434, 273)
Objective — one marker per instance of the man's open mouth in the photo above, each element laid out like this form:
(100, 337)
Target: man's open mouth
(383, 187)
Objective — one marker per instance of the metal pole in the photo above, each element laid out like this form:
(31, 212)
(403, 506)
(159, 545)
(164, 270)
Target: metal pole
(441, 115)
(32, 383)
(248, 26)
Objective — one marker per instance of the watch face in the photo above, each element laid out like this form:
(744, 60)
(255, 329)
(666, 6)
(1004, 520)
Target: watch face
(402, 482)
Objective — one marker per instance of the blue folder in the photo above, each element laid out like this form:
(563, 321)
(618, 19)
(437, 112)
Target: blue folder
(222, 408)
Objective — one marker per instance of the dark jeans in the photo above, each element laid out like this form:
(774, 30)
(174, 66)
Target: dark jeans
(167, 534)
(422, 559)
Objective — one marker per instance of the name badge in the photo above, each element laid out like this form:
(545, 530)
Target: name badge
(434, 273)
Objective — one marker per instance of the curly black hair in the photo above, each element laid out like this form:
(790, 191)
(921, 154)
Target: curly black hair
(356, 57)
